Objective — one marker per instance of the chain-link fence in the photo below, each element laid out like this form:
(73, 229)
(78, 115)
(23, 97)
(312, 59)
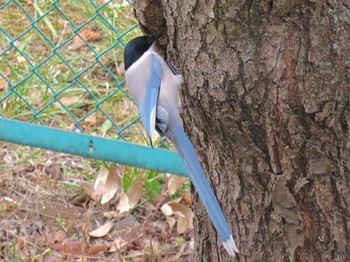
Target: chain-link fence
(61, 70)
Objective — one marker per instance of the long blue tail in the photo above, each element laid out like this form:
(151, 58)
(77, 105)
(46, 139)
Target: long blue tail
(195, 171)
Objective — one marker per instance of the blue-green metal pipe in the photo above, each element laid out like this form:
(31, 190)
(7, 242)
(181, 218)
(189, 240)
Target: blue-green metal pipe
(89, 146)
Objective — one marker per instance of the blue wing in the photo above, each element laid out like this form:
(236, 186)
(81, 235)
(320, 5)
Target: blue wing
(195, 171)
(148, 107)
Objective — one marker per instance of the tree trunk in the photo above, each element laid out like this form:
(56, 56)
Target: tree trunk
(267, 84)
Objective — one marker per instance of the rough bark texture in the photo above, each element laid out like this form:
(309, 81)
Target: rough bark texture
(268, 89)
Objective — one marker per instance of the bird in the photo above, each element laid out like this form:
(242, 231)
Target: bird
(155, 87)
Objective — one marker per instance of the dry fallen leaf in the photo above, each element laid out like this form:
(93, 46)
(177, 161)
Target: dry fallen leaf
(81, 200)
(175, 183)
(184, 215)
(97, 249)
(181, 210)
(72, 248)
(101, 181)
(70, 127)
(123, 205)
(102, 230)
(171, 221)
(55, 172)
(91, 119)
(21, 60)
(88, 188)
(182, 225)
(118, 243)
(107, 184)
(70, 100)
(167, 210)
(57, 236)
(88, 35)
(112, 186)
(131, 198)
(22, 170)
(134, 193)
(186, 197)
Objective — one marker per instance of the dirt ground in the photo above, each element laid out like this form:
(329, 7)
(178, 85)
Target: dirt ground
(46, 216)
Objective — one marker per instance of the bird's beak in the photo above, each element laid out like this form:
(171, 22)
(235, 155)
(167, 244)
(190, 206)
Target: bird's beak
(157, 36)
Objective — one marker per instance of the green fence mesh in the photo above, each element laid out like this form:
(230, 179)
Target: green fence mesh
(61, 65)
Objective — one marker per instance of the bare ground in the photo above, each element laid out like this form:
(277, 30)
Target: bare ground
(42, 218)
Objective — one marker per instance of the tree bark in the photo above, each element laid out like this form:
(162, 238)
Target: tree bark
(267, 84)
